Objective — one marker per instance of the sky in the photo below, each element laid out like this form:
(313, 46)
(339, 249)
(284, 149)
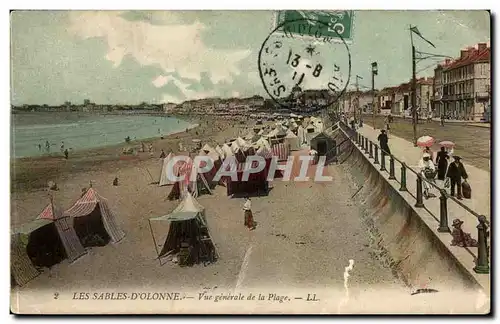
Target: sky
(129, 57)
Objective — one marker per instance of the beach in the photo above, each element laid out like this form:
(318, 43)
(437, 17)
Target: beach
(306, 234)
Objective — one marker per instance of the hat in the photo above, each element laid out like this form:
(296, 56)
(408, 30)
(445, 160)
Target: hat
(382, 130)
(456, 157)
(457, 222)
(426, 155)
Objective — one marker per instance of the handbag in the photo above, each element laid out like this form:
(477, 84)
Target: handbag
(466, 190)
(447, 182)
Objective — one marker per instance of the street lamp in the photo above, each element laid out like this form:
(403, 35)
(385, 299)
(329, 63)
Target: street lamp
(374, 73)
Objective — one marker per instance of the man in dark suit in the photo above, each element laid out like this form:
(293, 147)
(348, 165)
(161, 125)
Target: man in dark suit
(456, 171)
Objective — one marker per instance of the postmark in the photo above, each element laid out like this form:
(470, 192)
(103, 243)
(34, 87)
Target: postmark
(303, 74)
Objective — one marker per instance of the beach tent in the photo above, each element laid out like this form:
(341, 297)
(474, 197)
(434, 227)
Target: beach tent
(196, 186)
(281, 150)
(292, 141)
(188, 235)
(94, 221)
(207, 148)
(67, 234)
(43, 242)
(324, 145)
(256, 183)
(262, 142)
(301, 134)
(22, 269)
(164, 180)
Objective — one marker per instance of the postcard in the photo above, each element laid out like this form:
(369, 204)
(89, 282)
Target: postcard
(250, 162)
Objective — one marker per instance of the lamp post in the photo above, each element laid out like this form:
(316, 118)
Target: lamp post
(374, 73)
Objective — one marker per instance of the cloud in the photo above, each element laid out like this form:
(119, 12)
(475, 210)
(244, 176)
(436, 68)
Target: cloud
(173, 47)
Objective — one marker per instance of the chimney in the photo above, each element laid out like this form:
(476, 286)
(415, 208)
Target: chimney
(471, 50)
(463, 54)
(481, 46)
(447, 61)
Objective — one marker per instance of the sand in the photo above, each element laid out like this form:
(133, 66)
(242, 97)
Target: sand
(305, 236)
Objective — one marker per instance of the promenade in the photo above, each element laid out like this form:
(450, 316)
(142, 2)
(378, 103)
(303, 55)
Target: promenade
(480, 202)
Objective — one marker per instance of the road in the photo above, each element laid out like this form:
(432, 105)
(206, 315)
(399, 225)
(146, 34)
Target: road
(473, 143)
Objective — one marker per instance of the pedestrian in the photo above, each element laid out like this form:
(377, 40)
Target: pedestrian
(162, 154)
(314, 155)
(248, 216)
(47, 146)
(66, 154)
(39, 147)
(442, 120)
(62, 146)
(442, 163)
(383, 141)
(428, 172)
(429, 151)
(456, 171)
(143, 147)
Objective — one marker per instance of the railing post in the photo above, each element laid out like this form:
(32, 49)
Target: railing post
(356, 138)
(362, 142)
(376, 154)
(382, 160)
(392, 176)
(403, 177)
(366, 145)
(443, 213)
(482, 263)
(359, 138)
(420, 199)
(371, 149)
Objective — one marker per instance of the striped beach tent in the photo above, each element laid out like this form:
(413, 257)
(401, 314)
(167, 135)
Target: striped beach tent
(64, 225)
(280, 150)
(88, 210)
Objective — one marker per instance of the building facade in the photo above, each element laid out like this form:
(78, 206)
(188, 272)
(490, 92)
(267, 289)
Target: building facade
(462, 86)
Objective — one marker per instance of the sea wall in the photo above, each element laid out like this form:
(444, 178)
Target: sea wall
(400, 239)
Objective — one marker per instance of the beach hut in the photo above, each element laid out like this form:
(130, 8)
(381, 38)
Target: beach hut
(255, 184)
(292, 141)
(164, 180)
(94, 221)
(324, 145)
(188, 237)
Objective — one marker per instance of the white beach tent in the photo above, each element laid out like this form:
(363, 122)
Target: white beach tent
(207, 148)
(164, 180)
(292, 141)
(263, 143)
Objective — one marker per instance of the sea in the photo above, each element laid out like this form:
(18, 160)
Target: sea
(80, 131)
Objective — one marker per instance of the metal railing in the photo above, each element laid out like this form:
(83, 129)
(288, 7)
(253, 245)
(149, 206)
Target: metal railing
(366, 145)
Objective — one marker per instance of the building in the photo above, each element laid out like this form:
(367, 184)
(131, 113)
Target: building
(169, 107)
(462, 86)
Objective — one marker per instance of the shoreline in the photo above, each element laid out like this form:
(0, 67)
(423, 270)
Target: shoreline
(32, 173)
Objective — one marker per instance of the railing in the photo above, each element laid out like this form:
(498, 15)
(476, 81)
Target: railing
(372, 150)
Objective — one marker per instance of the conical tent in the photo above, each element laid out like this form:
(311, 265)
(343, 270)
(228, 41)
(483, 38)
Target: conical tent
(206, 148)
(164, 180)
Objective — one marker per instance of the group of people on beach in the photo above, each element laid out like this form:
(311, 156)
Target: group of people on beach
(48, 145)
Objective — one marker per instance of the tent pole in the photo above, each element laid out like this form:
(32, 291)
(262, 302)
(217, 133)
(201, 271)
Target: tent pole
(154, 241)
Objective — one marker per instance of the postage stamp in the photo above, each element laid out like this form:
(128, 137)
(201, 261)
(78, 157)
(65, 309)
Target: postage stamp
(304, 74)
(338, 24)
